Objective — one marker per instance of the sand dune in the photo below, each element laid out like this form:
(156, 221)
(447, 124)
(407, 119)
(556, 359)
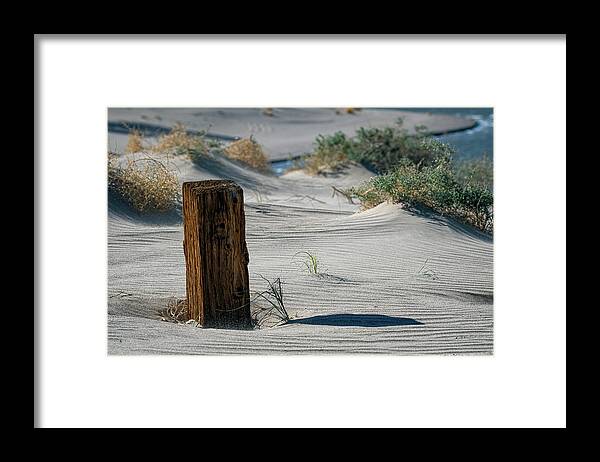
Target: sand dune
(393, 281)
(288, 132)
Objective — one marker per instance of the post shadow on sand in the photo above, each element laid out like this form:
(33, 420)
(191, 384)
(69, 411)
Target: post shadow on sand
(356, 320)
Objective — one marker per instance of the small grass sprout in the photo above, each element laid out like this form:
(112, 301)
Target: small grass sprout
(273, 295)
(343, 193)
(310, 262)
(427, 272)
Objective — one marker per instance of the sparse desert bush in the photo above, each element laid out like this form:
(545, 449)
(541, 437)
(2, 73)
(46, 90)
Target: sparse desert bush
(248, 151)
(135, 142)
(378, 149)
(145, 183)
(180, 142)
(478, 171)
(436, 186)
(330, 155)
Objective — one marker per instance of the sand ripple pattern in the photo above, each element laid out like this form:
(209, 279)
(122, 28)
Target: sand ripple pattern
(391, 282)
(372, 263)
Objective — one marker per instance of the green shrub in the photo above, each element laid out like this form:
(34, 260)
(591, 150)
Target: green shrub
(436, 186)
(478, 171)
(331, 154)
(378, 149)
(180, 142)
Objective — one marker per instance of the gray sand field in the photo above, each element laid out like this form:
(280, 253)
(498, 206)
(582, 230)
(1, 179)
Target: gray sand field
(393, 281)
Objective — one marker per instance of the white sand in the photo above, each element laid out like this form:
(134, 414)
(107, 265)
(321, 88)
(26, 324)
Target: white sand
(371, 299)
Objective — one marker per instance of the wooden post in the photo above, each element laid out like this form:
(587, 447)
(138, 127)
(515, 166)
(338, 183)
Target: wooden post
(216, 257)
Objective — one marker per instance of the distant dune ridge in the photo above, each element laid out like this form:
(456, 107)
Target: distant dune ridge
(392, 281)
(289, 131)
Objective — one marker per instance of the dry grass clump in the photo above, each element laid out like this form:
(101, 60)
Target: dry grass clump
(134, 142)
(323, 161)
(196, 146)
(176, 311)
(347, 110)
(330, 154)
(248, 151)
(179, 142)
(145, 183)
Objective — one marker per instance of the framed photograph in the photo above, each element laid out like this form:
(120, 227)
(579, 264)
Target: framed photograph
(300, 231)
(332, 219)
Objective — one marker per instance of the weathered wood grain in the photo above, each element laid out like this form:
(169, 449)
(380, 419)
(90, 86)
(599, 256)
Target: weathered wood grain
(216, 255)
